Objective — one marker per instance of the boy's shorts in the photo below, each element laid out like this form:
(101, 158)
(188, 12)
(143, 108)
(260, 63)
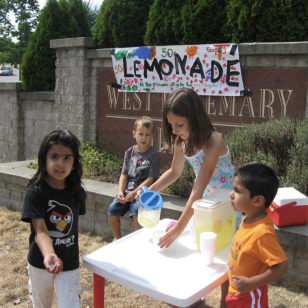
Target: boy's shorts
(256, 298)
(118, 209)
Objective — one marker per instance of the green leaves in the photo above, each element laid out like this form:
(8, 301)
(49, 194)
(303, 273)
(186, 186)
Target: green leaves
(280, 144)
(121, 23)
(100, 164)
(58, 19)
(267, 20)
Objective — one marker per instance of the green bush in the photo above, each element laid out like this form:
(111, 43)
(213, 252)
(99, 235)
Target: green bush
(100, 164)
(183, 185)
(267, 143)
(297, 170)
(280, 144)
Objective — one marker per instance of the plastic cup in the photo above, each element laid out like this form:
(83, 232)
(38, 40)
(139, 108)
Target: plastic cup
(156, 235)
(208, 242)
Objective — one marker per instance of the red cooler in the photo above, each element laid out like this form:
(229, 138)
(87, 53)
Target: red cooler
(289, 207)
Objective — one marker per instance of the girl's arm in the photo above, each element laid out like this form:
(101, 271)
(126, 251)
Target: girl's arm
(212, 152)
(173, 173)
(245, 284)
(51, 261)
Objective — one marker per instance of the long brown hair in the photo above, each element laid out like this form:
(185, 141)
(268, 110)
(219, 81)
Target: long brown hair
(186, 103)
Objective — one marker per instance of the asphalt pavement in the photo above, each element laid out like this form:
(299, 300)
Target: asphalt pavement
(11, 78)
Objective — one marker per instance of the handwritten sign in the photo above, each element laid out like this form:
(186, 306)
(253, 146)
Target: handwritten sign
(210, 69)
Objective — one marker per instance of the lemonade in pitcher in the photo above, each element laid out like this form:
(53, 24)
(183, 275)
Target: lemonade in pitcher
(150, 204)
(215, 214)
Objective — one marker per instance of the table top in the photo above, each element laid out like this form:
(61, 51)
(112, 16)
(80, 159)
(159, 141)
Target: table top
(175, 275)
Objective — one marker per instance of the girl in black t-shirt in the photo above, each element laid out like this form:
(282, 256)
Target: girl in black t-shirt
(54, 200)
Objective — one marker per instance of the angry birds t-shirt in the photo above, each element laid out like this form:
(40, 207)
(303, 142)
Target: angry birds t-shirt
(60, 210)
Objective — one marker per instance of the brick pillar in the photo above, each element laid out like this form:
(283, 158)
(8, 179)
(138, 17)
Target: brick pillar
(72, 110)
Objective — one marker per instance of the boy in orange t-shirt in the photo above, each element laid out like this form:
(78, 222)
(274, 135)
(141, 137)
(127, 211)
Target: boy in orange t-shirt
(256, 257)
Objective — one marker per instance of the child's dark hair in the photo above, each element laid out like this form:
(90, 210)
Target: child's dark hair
(65, 138)
(186, 103)
(259, 179)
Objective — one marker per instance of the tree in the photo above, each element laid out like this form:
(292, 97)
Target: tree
(25, 13)
(5, 23)
(102, 32)
(7, 49)
(58, 19)
(122, 23)
(92, 13)
(80, 21)
(268, 20)
(129, 22)
(165, 25)
(204, 22)
(6, 45)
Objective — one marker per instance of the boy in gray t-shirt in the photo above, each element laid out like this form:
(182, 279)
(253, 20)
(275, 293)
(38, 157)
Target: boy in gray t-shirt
(140, 168)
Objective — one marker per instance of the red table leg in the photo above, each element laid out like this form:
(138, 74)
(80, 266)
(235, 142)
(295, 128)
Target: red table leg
(98, 291)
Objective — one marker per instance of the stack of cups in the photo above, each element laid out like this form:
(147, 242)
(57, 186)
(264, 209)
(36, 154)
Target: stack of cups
(208, 242)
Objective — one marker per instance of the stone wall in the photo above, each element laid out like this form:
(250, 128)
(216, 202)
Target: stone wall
(25, 117)
(14, 177)
(37, 111)
(10, 122)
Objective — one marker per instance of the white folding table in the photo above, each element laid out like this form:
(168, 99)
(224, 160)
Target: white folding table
(175, 275)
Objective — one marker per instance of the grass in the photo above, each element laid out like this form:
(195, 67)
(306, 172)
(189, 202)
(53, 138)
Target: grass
(14, 281)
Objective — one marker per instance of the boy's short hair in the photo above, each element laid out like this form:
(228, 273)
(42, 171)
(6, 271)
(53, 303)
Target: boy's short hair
(144, 121)
(259, 179)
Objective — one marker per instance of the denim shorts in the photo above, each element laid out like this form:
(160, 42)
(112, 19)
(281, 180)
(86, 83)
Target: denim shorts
(118, 209)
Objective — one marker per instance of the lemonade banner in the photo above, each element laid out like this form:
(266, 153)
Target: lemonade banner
(209, 69)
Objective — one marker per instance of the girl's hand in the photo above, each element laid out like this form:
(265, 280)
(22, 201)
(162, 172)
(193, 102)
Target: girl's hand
(242, 284)
(171, 235)
(53, 264)
(139, 192)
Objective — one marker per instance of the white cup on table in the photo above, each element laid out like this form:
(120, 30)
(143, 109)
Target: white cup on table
(208, 242)
(156, 235)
